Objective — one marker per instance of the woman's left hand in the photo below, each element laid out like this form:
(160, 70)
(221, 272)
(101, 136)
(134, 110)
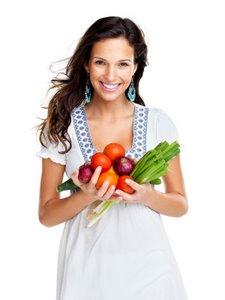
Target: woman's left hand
(142, 194)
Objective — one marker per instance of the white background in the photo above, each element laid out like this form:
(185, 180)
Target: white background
(185, 77)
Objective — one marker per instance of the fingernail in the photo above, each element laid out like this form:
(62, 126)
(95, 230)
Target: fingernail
(106, 183)
(127, 181)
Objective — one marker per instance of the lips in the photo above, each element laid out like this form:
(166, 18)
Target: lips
(110, 87)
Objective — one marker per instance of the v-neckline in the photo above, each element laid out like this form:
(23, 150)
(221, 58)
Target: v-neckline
(85, 142)
(91, 139)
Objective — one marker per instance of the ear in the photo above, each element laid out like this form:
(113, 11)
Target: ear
(135, 68)
(86, 68)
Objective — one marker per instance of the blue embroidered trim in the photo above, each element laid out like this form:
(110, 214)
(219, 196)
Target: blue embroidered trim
(139, 145)
(82, 132)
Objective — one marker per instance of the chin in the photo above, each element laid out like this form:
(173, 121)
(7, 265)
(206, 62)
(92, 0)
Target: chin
(109, 98)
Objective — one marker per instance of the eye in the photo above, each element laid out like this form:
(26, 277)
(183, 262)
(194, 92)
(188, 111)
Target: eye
(99, 62)
(124, 64)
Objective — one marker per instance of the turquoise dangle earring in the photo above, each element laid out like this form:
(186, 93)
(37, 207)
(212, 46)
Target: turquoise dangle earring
(131, 92)
(87, 93)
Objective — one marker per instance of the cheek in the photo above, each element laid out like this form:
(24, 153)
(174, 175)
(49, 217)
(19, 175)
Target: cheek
(128, 74)
(95, 73)
(127, 78)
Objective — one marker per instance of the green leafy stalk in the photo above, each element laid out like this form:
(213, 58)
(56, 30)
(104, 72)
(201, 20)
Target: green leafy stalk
(162, 146)
(156, 181)
(171, 151)
(105, 207)
(67, 185)
(152, 173)
(142, 162)
(149, 163)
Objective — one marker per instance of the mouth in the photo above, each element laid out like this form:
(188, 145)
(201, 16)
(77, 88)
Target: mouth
(110, 87)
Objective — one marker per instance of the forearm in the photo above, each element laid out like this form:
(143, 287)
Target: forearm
(170, 204)
(56, 211)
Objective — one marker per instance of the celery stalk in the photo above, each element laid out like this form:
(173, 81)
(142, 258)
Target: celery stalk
(98, 208)
(142, 162)
(162, 146)
(107, 205)
(148, 165)
(67, 185)
(156, 181)
(156, 168)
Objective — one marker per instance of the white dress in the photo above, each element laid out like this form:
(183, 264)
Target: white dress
(126, 254)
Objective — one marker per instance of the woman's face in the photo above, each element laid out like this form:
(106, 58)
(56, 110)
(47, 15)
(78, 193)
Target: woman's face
(111, 67)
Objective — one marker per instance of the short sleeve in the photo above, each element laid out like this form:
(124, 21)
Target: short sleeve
(165, 128)
(52, 151)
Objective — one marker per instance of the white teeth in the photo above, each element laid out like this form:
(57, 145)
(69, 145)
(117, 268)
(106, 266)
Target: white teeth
(110, 86)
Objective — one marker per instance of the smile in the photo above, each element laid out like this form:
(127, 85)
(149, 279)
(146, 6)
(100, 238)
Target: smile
(110, 87)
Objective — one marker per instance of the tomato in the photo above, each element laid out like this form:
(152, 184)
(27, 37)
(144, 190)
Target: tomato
(114, 151)
(107, 176)
(100, 159)
(123, 186)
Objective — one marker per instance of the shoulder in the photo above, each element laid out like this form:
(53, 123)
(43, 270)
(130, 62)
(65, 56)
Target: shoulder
(155, 113)
(161, 125)
(159, 115)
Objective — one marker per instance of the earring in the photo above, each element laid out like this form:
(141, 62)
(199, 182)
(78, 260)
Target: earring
(131, 92)
(87, 93)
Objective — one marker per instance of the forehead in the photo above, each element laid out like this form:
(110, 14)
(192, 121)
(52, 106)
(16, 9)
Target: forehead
(116, 47)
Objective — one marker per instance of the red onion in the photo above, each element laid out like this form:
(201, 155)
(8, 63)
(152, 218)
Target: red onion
(85, 173)
(123, 165)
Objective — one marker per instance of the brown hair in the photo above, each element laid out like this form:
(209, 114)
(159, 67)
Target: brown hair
(71, 88)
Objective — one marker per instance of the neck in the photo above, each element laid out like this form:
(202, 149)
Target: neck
(109, 109)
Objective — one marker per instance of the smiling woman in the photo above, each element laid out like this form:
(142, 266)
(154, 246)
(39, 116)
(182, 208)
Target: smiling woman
(110, 75)
(126, 255)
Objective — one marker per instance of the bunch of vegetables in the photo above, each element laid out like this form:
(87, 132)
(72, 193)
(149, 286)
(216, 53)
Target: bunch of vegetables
(116, 168)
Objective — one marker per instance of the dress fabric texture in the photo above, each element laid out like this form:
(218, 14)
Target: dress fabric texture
(126, 255)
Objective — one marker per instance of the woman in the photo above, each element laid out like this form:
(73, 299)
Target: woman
(126, 255)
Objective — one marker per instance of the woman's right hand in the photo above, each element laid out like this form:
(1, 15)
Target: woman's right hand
(104, 193)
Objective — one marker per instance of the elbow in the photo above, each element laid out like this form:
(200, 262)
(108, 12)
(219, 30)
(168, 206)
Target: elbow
(44, 220)
(182, 209)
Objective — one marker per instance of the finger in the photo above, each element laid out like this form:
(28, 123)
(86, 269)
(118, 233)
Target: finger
(126, 197)
(115, 196)
(95, 176)
(103, 189)
(74, 177)
(136, 186)
(109, 193)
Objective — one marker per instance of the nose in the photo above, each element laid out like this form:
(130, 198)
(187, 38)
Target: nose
(110, 73)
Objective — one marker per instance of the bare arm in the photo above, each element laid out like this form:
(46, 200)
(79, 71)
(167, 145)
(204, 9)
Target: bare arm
(173, 202)
(52, 209)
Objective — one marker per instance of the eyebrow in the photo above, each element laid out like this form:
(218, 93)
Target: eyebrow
(121, 60)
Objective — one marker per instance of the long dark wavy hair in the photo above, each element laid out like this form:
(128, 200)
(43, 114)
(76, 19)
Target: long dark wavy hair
(70, 88)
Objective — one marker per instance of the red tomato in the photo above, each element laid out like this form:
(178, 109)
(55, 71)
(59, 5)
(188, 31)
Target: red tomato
(123, 186)
(100, 159)
(114, 151)
(107, 176)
